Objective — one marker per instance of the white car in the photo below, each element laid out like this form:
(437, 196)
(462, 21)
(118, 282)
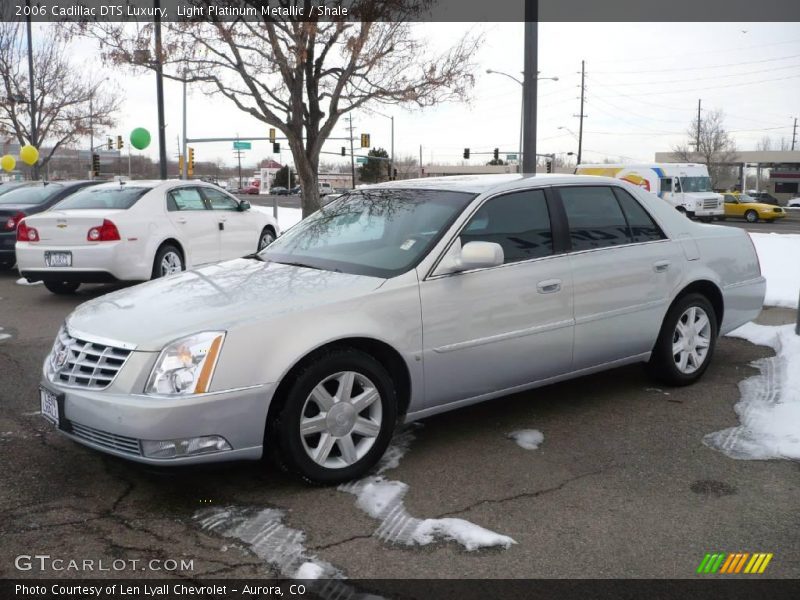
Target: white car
(135, 231)
(794, 202)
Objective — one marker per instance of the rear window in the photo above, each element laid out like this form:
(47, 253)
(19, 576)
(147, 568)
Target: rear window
(35, 194)
(121, 197)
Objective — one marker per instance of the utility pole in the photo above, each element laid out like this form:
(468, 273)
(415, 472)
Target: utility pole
(794, 133)
(91, 133)
(185, 170)
(420, 161)
(162, 142)
(34, 141)
(352, 158)
(582, 115)
(391, 176)
(529, 86)
(697, 141)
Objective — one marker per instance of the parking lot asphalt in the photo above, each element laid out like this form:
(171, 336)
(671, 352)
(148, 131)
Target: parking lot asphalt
(622, 485)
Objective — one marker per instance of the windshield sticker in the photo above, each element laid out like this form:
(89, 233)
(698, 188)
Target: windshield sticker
(407, 244)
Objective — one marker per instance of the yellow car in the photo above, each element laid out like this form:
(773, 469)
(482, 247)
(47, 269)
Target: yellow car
(742, 205)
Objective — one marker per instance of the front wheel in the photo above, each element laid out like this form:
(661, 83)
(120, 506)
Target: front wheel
(168, 261)
(338, 418)
(266, 238)
(751, 216)
(62, 287)
(686, 341)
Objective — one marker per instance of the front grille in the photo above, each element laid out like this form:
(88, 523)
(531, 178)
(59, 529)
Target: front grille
(120, 443)
(78, 363)
(710, 203)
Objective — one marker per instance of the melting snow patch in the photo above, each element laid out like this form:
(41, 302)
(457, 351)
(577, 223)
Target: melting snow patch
(783, 283)
(268, 538)
(4, 336)
(769, 409)
(382, 499)
(23, 281)
(527, 438)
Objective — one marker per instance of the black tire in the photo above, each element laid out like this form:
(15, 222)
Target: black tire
(163, 252)
(751, 216)
(284, 440)
(690, 214)
(62, 288)
(266, 238)
(662, 365)
(721, 218)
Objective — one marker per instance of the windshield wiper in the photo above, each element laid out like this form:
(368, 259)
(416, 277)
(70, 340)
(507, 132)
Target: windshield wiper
(296, 264)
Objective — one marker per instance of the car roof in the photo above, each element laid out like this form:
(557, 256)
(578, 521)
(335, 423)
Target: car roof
(154, 183)
(479, 184)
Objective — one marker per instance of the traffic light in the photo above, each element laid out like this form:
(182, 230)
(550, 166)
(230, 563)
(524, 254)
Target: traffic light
(190, 163)
(276, 148)
(365, 140)
(466, 152)
(96, 165)
(109, 144)
(344, 151)
(497, 154)
(272, 135)
(180, 164)
(120, 143)
(394, 175)
(549, 166)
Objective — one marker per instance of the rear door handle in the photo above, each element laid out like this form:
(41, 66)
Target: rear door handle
(661, 266)
(181, 221)
(549, 286)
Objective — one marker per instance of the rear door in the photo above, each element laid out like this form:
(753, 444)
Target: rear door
(238, 230)
(197, 225)
(624, 271)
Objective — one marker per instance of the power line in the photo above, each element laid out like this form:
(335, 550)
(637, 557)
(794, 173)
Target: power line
(696, 54)
(700, 68)
(713, 87)
(689, 80)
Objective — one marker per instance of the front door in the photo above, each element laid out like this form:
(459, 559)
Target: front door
(238, 234)
(196, 225)
(494, 329)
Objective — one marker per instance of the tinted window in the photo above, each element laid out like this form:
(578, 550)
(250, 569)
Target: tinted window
(185, 199)
(219, 200)
(35, 194)
(594, 216)
(785, 187)
(519, 222)
(120, 197)
(730, 199)
(641, 224)
(666, 184)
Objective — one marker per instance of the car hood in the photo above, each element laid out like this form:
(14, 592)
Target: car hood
(215, 297)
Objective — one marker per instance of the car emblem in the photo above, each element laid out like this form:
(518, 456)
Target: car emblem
(61, 357)
(61, 224)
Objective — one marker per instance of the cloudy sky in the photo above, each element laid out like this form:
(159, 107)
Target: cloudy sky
(642, 85)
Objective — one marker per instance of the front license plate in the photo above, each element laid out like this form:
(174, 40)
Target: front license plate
(49, 402)
(58, 259)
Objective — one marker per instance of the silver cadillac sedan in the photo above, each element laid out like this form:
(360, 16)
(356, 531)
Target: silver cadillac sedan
(390, 304)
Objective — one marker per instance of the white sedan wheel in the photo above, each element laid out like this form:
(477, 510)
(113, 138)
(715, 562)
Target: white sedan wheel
(691, 340)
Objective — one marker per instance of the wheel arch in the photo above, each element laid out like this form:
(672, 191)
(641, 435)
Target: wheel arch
(173, 242)
(710, 290)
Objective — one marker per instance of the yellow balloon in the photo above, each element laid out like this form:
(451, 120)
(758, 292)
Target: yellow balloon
(8, 163)
(29, 155)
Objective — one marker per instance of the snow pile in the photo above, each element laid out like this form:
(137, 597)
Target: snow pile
(527, 438)
(777, 253)
(262, 529)
(769, 409)
(4, 336)
(287, 217)
(382, 499)
(23, 281)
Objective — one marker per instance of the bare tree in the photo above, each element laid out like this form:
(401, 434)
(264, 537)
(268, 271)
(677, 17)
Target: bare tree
(407, 167)
(766, 143)
(713, 145)
(63, 93)
(301, 76)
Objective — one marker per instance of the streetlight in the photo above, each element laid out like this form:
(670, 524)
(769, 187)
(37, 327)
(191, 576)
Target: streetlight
(522, 104)
(391, 162)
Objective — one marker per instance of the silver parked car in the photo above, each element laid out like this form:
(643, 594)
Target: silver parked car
(391, 304)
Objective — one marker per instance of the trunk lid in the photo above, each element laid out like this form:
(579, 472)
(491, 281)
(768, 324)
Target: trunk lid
(70, 227)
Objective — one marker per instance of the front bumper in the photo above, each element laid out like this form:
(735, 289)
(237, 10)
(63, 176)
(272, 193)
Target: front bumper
(116, 423)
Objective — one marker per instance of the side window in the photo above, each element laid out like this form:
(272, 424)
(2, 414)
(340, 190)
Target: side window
(730, 199)
(219, 200)
(519, 222)
(187, 198)
(641, 224)
(666, 184)
(594, 217)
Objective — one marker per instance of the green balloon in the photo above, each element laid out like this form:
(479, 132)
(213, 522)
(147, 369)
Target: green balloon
(140, 138)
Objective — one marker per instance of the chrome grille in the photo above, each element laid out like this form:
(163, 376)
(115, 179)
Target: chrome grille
(78, 363)
(120, 443)
(710, 203)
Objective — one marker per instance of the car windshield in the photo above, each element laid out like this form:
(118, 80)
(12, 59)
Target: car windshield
(119, 197)
(696, 184)
(381, 233)
(33, 194)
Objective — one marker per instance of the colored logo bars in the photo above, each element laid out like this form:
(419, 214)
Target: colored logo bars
(735, 562)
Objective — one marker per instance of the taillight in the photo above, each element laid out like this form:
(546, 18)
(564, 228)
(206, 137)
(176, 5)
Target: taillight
(11, 222)
(107, 232)
(26, 234)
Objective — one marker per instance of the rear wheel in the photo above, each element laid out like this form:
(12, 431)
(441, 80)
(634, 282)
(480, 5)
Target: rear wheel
(168, 260)
(751, 216)
(62, 287)
(266, 238)
(686, 341)
(338, 418)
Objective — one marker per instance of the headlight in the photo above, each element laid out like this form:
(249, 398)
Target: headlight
(186, 366)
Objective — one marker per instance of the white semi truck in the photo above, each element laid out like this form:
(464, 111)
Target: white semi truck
(686, 186)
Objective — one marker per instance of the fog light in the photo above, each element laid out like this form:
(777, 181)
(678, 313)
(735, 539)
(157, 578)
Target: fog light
(184, 447)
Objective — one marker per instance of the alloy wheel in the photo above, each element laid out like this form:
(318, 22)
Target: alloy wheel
(266, 239)
(691, 340)
(170, 263)
(341, 419)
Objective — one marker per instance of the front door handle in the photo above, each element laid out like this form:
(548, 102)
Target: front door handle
(221, 225)
(181, 221)
(661, 266)
(549, 286)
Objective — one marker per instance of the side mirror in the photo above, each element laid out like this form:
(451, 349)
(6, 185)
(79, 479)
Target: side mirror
(473, 255)
(244, 205)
